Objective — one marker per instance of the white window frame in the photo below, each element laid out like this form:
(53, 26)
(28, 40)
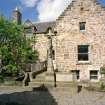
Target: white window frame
(83, 61)
(92, 79)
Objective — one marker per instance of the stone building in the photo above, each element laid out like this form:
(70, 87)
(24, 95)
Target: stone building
(78, 47)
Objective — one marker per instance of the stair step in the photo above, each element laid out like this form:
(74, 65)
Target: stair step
(40, 76)
(50, 83)
(38, 84)
(38, 80)
(52, 88)
(41, 82)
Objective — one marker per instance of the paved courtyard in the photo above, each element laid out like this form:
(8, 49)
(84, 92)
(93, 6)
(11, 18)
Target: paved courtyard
(51, 96)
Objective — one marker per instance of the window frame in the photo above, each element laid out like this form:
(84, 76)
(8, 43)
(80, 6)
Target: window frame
(83, 53)
(82, 26)
(77, 72)
(28, 30)
(93, 75)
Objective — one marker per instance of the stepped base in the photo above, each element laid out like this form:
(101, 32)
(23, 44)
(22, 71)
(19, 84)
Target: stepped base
(49, 79)
(50, 76)
(38, 83)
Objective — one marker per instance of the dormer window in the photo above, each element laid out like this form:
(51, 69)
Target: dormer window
(28, 30)
(82, 26)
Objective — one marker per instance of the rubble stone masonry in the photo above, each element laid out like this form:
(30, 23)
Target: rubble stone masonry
(69, 37)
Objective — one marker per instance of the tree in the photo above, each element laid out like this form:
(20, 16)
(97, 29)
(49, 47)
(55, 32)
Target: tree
(15, 50)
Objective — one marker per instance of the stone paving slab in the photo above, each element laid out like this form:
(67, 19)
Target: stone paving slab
(51, 96)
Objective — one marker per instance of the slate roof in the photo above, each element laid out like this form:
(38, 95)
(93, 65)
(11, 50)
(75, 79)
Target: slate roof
(43, 26)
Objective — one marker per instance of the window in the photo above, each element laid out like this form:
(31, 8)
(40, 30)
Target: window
(83, 53)
(93, 75)
(82, 26)
(28, 30)
(77, 73)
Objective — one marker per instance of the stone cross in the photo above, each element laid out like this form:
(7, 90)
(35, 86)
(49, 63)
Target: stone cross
(50, 68)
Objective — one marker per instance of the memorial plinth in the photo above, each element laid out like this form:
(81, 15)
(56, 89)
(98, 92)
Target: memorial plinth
(50, 68)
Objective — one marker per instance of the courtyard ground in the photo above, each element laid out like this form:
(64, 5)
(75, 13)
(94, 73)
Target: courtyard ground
(51, 96)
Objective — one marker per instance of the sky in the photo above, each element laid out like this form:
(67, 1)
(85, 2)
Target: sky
(36, 10)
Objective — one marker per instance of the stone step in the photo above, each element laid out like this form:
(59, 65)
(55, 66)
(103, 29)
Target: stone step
(38, 80)
(40, 76)
(52, 88)
(39, 83)
(65, 84)
(51, 83)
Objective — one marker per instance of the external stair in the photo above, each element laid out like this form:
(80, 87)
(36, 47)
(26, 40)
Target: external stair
(40, 80)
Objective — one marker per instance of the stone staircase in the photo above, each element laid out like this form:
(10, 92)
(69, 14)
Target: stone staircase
(40, 80)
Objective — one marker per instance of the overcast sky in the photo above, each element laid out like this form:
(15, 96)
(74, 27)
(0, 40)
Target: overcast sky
(36, 10)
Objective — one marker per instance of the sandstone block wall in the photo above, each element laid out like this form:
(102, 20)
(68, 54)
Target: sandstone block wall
(69, 37)
(41, 46)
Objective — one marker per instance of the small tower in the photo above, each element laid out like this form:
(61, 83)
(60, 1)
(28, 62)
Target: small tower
(17, 16)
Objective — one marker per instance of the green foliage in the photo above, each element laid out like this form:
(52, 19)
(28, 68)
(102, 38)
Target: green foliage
(102, 69)
(15, 49)
(102, 86)
(1, 79)
(10, 69)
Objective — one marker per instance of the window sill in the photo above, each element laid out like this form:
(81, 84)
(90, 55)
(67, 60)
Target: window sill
(94, 80)
(82, 31)
(83, 62)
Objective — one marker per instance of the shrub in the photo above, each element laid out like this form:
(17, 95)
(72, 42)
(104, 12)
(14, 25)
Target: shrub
(1, 79)
(102, 86)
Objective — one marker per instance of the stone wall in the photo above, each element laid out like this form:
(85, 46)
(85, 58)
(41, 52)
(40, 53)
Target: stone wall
(69, 37)
(41, 46)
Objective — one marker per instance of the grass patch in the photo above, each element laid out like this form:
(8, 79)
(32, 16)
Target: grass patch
(96, 87)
